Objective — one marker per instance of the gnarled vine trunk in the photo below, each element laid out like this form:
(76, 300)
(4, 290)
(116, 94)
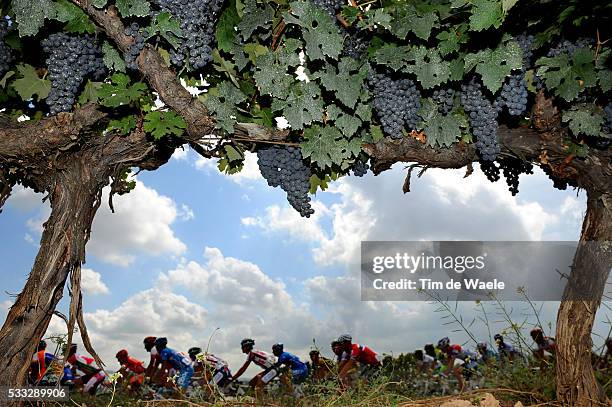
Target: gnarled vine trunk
(74, 198)
(576, 384)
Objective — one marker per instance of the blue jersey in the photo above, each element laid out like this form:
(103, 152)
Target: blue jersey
(292, 361)
(176, 359)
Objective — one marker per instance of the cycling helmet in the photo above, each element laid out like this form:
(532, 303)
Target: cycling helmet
(161, 342)
(535, 332)
(444, 342)
(277, 348)
(247, 342)
(193, 352)
(313, 352)
(345, 338)
(149, 340)
(42, 345)
(430, 349)
(498, 337)
(122, 354)
(481, 346)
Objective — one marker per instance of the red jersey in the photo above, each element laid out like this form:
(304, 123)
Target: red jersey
(134, 365)
(363, 354)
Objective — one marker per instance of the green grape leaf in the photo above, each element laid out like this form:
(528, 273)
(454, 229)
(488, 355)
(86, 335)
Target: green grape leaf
(376, 133)
(318, 30)
(30, 15)
(90, 92)
(392, 56)
(76, 19)
(485, 14)
(428, 67)
(377, 17)
(255, 17)
(604, 78)
(112, 59)
(119, 92)
(160, 124)
(507, 5)
(223, 102)
(166, 26)
(303, 106)
(6, 77)
(350, 14)
(325, 146)
(129, 8)
(99, 3)
(225, 33)
(123, 126)
(584, 119)
(348, 124)
(494, 65)
(30, 84)
(271, 77)
(232, 153)
(450, 41)
(441, 130)
(568, 76)
(346, 82)
(364, 111)
(407, 20)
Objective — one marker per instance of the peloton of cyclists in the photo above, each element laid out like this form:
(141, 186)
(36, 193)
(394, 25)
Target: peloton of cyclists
(261, 359)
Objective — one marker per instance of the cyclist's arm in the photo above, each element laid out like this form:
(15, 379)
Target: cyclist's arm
(241, 370)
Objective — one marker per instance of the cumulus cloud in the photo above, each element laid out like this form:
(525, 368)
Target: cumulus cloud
(91, 282)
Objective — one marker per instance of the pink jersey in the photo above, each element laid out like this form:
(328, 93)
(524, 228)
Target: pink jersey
(261, 359)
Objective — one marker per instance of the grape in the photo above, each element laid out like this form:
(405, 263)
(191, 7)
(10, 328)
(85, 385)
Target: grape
(137, 46)
(331, 6)
(444, 98)
(360, 168)
(396, 103)
(490, 170)
(526, 43)
(512, 168)
(6, 56)
(483, 120)
(71, 59)
(284, 167)
(558, 183)
(569, 47)
(514, 94)
(197, 21)
(355, 43)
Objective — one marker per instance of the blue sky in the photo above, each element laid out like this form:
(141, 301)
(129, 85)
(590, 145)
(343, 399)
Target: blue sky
(190, 250)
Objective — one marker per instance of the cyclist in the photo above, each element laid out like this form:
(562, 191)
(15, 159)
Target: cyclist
(154, 370)
(425, 362)
(261, 359)
(546, 346)
(41, 360)
(320, 366)
(90, 376)
(299, 370)
(506, 351)
(454, 362)
(355, 357)
(133, 368)
(213, 369)
(487, 355)
(181, 363)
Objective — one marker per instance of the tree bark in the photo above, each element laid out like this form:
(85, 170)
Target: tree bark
(74, 198)
(576, 383)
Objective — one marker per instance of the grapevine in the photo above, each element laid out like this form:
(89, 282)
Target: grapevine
(133, 31)
(483, 120)
(6, 56)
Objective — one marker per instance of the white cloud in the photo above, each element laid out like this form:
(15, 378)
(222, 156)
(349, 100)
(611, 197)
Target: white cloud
(24, 199)
(185, 213)
(573, 208)
(181, 153)
(91, 282)
(141, 224)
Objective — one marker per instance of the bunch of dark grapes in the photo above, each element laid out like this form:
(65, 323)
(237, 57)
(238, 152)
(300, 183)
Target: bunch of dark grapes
(6, 56)
(197, 20)
(558, 183)
(355, 43)
(490, 170)
(514, 94)
(569, 47)
(133, 31)
(284, 167)
(71, 59)
(331, 6)
(360, 168)
(444, 98)
(512, 168)
(483, 120)
(396, 103)
(526, 43)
